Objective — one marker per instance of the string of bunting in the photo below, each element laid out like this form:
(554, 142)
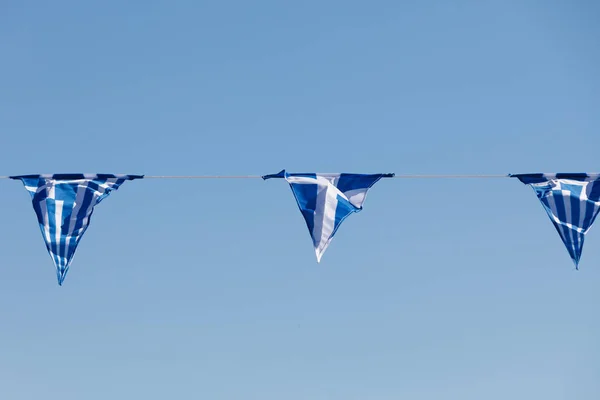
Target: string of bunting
(64, 203)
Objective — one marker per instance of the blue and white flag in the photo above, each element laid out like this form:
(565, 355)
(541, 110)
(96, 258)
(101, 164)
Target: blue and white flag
(64, 204)
(572, 202)
(325, 200)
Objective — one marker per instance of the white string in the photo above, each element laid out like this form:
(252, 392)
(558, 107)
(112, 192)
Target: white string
(259, 177)
(450, 176)
(203, 177)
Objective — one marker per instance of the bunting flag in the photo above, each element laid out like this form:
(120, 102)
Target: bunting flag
(326, 200)
(572, 202)
(64, 204)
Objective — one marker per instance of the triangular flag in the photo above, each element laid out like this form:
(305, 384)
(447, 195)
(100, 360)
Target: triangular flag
(325, 200)
(64, 204)
(572, 201)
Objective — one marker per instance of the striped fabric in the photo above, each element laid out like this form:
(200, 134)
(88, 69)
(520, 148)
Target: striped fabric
(572, 202)
(325, 200)
(64, 204)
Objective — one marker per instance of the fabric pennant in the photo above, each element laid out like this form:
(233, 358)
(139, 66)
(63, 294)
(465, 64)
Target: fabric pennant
(326, 200)
(571, 200)
(64, 204)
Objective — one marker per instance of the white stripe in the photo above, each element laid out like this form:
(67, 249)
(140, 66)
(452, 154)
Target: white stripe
(318, 216)
(58, 222)
(325, 209)
(357, 196)
(46, 222)
(584, 199)
(301, 180)
(329, 205)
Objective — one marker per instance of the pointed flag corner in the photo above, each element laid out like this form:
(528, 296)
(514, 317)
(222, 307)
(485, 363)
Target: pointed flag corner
(61, 275)
(319, 254)
(280, 174)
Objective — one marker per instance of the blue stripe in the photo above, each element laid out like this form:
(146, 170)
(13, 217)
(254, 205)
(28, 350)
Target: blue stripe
(559, 210)
(593, 191)
(589, 217)
(283, 174)
(68, 177)
(349, 182)
(542, 177)
(343, 211)
(577, 176)
(280, 174)
(306, 198)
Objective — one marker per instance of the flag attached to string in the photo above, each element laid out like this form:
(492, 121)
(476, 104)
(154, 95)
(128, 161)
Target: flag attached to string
(572, 202)
(326, 200)
(64, 204)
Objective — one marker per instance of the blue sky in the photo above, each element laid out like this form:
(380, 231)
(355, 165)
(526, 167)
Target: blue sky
(457, 289)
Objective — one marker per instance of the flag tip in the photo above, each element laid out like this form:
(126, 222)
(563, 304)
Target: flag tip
(319, 255)
(61, 277)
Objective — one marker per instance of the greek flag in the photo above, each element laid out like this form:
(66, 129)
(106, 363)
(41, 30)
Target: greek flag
(326, 200)
(64, 204)
(572, 202)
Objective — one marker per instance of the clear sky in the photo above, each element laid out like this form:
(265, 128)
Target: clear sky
(438, 289)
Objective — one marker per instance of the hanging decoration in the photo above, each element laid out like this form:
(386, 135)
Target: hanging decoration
(64, 204)
(326, 200)
(571, 200)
